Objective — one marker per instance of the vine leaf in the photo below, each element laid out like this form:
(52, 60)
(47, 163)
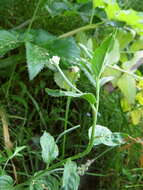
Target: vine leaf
(104, 136)
(49, 148)
(71, 178)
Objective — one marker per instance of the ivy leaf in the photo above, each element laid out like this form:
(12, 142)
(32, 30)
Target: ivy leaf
(70, 177)
(6, 183)
(127, 85)
(49, 148)
(8, 41)
(100, 56)
(37, 57)
(104, 136)
(88, 96)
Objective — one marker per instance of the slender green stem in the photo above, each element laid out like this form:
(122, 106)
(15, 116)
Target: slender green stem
(91, 142)
(65, 125)
(81, 29)
(92, 15)
(33, 18)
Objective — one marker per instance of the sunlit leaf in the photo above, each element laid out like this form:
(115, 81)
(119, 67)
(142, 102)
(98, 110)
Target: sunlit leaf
(104, 136)
(127, 85)
(99, 57)
(49, 148)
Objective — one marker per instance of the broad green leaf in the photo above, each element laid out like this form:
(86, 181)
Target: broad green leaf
(88, 96)
(65, 48)
(46, 182)
(71, 178)
(100, 133)
(49, 148)
(137, 45)
(42, 37)
(6, 183)
(98, 3)
(37, 57)
(8, 41)
(100, 55)
(127, 85)
(70, 74)
(124, 37)
(104, 136)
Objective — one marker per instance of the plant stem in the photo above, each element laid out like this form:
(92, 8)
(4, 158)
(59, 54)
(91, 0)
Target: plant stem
(65, 125)
(91, 141)
(81, 29)
(33, 18)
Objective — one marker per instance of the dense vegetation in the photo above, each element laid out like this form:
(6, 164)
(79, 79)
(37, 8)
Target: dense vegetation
(71, 94)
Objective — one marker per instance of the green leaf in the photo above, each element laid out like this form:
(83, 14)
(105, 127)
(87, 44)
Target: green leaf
(46, 182)
(65, 48)
(37, 57)
(16, 152)
(88, 96)
(8, 41)
(137, 45)
(6, 182)
(100, 55)
(70, 177)
(127, 85)
(114, 55)
(49, 148)
(71, 75)
(124, 37)
(104, 136)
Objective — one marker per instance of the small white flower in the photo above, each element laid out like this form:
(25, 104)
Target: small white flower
(55, 60)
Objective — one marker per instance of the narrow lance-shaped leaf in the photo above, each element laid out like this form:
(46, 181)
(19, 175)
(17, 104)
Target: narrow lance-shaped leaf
(49, 148)
(88, 96)
(99, 57)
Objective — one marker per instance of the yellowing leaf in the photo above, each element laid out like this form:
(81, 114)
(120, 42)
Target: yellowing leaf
(127, 85)
(136, 116)
(140, 84)
(125, 105)
(139, 97)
